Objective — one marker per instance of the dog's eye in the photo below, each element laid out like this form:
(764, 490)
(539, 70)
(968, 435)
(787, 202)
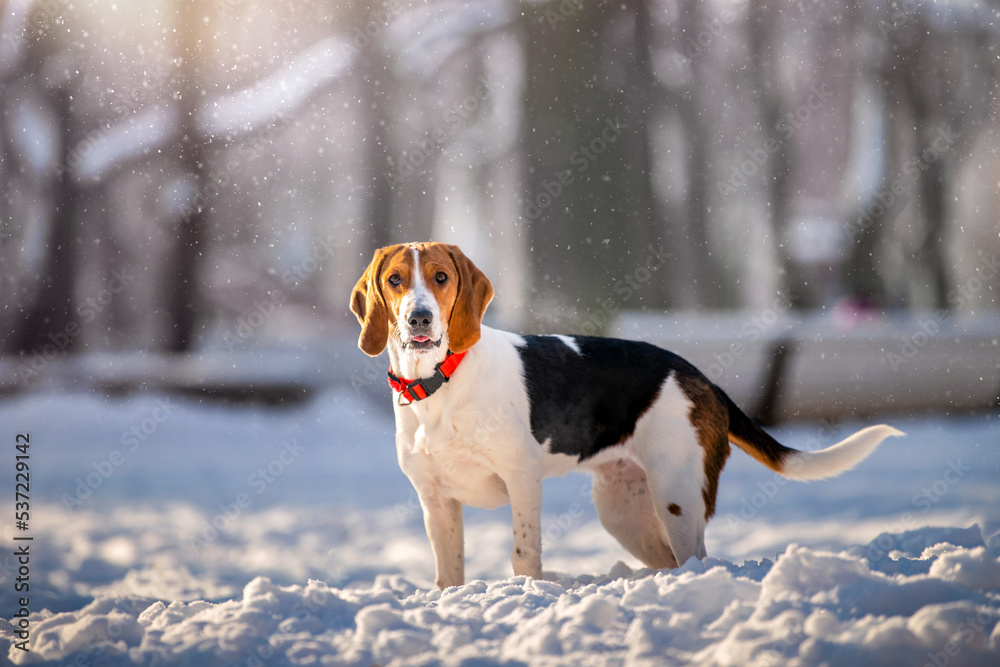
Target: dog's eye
(441, 277)
(395, 280)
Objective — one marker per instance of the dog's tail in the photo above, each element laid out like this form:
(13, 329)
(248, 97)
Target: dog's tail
(802, 466)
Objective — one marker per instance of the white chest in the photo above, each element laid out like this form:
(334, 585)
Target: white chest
(460, 463)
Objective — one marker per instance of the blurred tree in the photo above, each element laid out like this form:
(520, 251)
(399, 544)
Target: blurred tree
(763, 24)
(562, 106)
(588, 205)
(704, 290)
(375, 79)
(640, 96)
(184, 298)
(47, 310)
(936, 93)
(372, 75)
(50, 318)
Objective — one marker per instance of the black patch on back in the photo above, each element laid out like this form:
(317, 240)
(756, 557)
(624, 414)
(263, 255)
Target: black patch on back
(586, 402)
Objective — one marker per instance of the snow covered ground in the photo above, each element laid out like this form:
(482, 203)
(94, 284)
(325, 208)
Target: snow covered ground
(172, 531)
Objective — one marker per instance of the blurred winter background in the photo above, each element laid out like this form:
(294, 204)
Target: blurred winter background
(223, 162)
(802, 198)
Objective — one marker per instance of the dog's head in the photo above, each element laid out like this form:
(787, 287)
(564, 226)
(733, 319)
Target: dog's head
(426, 295)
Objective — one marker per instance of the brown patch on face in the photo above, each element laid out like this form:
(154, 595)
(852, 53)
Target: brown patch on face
(711, 423)
(674, 509)
(474, 293)
(397, 277)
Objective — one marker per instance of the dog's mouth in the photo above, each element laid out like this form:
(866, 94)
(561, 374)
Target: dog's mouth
(421, 343)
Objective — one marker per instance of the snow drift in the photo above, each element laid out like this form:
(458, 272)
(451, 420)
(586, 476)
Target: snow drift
(936, 603)
(236, 536)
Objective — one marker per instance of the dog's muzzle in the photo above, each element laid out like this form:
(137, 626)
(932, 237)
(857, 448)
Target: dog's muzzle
(419, 324)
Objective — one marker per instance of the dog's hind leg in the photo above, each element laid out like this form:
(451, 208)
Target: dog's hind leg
(624, 505)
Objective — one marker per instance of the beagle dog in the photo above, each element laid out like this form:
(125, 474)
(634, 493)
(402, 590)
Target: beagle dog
(483, 416)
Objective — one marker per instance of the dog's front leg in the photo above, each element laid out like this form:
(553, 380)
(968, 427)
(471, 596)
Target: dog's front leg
(443, 520)
(526, 507)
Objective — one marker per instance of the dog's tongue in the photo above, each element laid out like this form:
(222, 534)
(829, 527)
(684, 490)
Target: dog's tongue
(421, 339)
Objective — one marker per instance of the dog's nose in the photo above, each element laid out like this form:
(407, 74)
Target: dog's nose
(420, 318)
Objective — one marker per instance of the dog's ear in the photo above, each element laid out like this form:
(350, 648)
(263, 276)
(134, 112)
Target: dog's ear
(474, 294)
(368, 305)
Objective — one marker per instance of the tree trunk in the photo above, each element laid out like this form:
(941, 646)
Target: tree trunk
(183, 283)
(703, 291)
(641, 209)
(763, 70)
(49, 319)
(373, 75)
(930, 256)
(572, 154)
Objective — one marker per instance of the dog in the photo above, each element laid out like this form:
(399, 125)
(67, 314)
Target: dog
(483, 416)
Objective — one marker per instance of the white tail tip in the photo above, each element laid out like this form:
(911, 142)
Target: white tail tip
(838, 458)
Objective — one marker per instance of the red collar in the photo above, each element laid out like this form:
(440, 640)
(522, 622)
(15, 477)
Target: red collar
(418, 390)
